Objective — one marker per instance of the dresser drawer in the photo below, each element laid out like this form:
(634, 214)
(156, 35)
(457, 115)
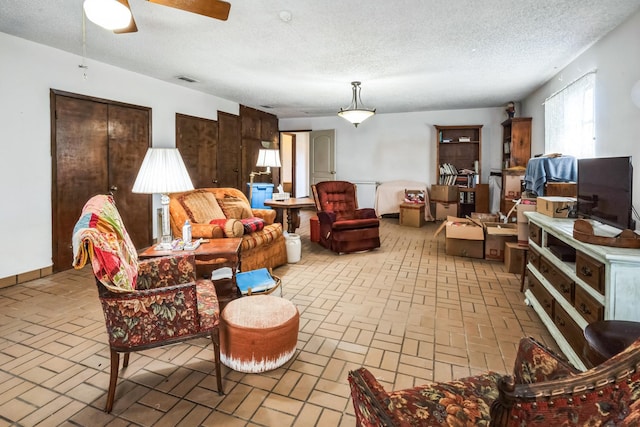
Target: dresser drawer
(535, 234)
(587, 306)
(569, 329)
(558, 279)
(591, 271)
(534, 258)
(542, 295)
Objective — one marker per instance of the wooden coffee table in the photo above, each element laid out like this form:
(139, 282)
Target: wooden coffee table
(210, 255)
(292, 208)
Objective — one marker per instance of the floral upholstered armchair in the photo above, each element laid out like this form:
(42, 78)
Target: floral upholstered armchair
(146, 303)
(544, 390)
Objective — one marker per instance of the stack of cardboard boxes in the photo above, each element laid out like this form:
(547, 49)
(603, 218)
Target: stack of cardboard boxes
(445, 198)
(471, 237)
(482, 236)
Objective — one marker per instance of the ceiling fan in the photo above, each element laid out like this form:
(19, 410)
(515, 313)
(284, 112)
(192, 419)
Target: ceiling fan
(116, 14)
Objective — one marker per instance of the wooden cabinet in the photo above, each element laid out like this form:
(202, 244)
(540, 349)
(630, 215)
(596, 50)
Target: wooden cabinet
(256, 127)
(460, 146)
(572, 284)
(516, 152)
(516, 142)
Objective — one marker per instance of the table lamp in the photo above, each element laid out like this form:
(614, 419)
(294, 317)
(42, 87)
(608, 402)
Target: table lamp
(266, 158)
(163, 172)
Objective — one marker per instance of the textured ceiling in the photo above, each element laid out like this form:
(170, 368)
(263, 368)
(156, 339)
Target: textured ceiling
(410, 55)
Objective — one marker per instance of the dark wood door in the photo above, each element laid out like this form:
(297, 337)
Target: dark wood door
(129, 136)
(197, 140)
(97, 147)
(229, 150)
(79, 167)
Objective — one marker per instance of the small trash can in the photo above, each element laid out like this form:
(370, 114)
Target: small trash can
(294, 247)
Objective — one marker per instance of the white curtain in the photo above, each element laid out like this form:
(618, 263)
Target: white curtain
(569, 119)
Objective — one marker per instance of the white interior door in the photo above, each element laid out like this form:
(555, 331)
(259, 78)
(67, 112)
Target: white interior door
(322, 156)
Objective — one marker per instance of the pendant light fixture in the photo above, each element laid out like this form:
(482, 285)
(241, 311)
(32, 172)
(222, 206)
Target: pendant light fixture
(355, 112)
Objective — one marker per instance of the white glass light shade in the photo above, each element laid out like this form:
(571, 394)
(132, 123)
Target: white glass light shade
(109, 14)
(356, 116)
(355, 112)
(162, 172)
(268, 158)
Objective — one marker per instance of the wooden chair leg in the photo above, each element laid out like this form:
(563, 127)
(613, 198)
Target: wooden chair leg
(215, 339)
(125, 363)
(523, 273)
(113, 379)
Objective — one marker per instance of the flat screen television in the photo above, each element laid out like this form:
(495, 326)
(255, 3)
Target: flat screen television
(605, 191)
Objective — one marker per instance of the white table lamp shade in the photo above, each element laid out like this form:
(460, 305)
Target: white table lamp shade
(162, 172)
(268, 158)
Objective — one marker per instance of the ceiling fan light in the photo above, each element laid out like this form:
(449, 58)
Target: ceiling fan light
(355, 112)
(109, 14)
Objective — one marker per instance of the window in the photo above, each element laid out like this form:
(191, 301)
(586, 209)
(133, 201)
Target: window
(569, 119)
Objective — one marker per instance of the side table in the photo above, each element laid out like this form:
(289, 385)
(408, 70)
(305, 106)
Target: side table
(210, 255)
(292, 208)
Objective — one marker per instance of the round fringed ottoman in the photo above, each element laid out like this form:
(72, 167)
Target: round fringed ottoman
(258, 333)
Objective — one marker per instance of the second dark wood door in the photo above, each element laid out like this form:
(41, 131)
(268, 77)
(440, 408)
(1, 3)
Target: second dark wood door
(197, 140)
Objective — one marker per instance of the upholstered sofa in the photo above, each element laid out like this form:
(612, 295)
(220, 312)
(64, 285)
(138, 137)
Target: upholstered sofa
(216, 213)
(544, 390)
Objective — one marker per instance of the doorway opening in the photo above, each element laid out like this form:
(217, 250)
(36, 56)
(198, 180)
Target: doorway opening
(294, 174)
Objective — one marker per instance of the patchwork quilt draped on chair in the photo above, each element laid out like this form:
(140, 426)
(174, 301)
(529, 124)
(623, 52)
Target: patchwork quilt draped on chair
(99, 235)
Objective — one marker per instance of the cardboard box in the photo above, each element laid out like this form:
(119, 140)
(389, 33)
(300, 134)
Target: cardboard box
(485, 217)
(443, 210)
(555, 206)
(513, 254)
(512, 186)
(444, 193)
(496, 235)
(526, 205)
(412, 214)
(464, 237)
(413, 196)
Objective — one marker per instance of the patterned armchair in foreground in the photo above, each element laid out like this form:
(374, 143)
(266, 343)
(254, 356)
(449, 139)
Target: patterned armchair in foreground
(147, 303)
(543, 391)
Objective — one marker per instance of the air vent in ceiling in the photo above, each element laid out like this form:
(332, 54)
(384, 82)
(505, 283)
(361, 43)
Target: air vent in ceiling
(187, 79)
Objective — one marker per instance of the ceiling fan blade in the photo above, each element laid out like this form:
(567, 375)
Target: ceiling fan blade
(216, 9)
(132, 27)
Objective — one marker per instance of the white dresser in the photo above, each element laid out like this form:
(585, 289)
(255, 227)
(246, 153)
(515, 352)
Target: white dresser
(572, 283)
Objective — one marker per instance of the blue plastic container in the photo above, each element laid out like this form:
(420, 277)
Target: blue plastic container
(261, 191)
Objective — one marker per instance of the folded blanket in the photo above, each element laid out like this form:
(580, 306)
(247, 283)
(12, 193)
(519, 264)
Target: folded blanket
(99, 235)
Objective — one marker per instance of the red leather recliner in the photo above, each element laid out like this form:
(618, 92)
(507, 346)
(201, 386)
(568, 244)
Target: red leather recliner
(343, 227)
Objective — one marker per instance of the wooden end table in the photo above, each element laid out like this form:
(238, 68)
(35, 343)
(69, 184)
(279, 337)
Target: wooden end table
(292, 208)
(212, 254)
